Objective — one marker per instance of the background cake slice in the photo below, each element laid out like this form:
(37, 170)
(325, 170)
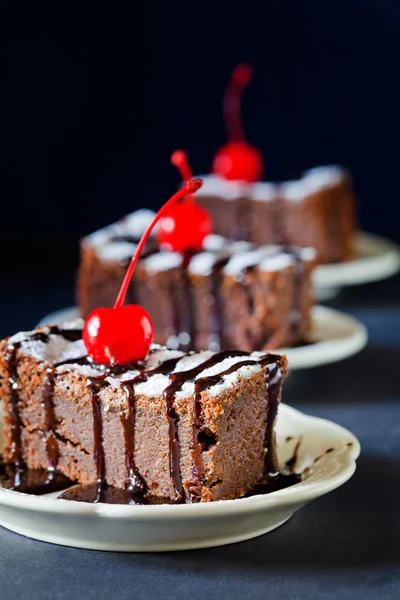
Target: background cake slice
(195, 427)
(316, 210)
(231, 295)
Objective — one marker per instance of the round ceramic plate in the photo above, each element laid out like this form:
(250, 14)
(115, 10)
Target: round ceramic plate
(189, 526)
(334, 336)
(375, 258)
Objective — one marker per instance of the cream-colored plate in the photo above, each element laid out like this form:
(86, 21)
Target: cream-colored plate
(375, 258)
(189, 526)
(335, 336)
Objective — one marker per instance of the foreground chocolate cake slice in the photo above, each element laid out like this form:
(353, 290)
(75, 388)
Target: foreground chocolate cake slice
(317, 210)
(183, 427)
(231, 295)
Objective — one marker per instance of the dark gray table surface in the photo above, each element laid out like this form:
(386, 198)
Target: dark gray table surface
(343, 546)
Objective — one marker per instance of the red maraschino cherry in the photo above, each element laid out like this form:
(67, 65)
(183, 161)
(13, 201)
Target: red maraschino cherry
(123, 334)
(186, 225)
(237, 159)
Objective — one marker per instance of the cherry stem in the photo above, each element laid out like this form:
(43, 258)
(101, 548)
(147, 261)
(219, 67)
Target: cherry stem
(180, 160)
(233, 120)
(190, 187)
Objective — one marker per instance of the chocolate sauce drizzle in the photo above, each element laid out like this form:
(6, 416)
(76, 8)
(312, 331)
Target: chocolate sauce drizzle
(295, 317)
(218, 313)
(136, 488)
(128, 420)
(50, 417)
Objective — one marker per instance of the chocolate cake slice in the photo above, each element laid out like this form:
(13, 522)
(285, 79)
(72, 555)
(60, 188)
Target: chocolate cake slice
(175, 426)
(231, 295)
(317, 210)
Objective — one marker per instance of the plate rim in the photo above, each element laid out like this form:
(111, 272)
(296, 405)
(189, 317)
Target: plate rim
(364, 269)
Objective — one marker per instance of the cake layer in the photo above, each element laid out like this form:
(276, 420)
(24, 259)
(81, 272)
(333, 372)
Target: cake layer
(316, 210)
(188, 427)
(231, 295)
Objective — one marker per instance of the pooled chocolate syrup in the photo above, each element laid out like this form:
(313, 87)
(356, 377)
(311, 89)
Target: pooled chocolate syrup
(292, 462)
(32, 481)
(284, 478)
(111, 495)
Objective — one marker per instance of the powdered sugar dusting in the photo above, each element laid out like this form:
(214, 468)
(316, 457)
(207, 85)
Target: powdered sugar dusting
(202, 264)
(241, 261)
(217, 186)
(188, 388)
(86, 370)
(325, 176)
(58, 349)
(50, 352)
(116, 251)
(264, 191)
(213, 242)
(307, 254)
(21, 336)
(230, 380)
(55, 349)
(313, 181)
(154, 386)
(163, 261)
(163, 355)
(133, 225)
(137, 222)
(276, 263)
(74, 324)
(192, 361)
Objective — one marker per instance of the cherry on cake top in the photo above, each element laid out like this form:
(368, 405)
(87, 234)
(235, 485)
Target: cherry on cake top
(186, 224)
(123, 334)
(237, 160)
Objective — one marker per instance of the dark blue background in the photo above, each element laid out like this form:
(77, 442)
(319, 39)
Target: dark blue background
(93, 102)
(95, 99)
